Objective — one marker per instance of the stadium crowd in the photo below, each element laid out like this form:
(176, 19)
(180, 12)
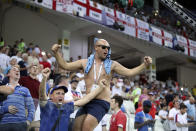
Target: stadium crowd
(163, 19)
(32, 76)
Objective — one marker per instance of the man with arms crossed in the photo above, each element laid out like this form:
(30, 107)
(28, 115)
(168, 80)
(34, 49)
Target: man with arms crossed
(98, 66)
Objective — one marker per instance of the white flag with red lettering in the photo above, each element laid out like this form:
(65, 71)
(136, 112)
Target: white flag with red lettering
(167, 39)
(95, 11)
(182, 41)
(110, 16)
(130, 26)
(142, 30)
(65, 6)
(157, 36)
(192, 48)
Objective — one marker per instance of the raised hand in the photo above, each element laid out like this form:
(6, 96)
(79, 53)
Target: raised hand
(55, 48)
(147, 60)
(46, 72)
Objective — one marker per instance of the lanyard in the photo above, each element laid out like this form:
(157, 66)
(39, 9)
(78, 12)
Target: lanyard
(95, 74)
(145, 119)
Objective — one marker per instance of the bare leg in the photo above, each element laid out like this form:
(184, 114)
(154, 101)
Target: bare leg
(78, 122)
(89, 123)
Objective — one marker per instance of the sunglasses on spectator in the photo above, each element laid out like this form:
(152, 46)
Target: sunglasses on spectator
(104, 47)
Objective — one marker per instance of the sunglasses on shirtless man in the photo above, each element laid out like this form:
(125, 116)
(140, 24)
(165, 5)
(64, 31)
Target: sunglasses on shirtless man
(104, 47)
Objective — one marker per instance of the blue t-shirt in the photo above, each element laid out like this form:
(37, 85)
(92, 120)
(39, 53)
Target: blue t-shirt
(50, 114)
(191, 110)
(139, 117)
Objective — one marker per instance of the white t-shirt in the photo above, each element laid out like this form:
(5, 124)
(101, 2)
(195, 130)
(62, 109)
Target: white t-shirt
(79, 94)
(4, 61)
(172, 113)
(163, 113)
(117, 91)
(182, 119)
(69, 97)
(82, 86)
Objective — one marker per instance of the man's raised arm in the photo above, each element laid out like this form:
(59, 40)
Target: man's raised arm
(42, 87)
(121, 70)
(103, 84)
(72, 66)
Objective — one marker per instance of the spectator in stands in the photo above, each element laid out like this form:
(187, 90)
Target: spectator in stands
(32, 83)
(45, 62)
(172, 114)
(56, 111)
(23, 64)
(12, 63)
(52, 61)
(163, 114)
(30, 48)
(143, 121)
(169, 82)
(17, 56)
(1, 42)
(21, 99)
(118, 120)
(21, 45)
(76, 95)
(191, 110)
(153, 108)
(127, 85)
(116, 89)
(32, 59)
(181, 119)
(37, 50)
(144, 95)
(136, 94)
(169, 96)
(194, 91)
(176, 98)
(4, 59)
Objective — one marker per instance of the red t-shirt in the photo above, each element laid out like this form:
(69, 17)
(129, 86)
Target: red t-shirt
(152, 110)
(31, 84)
(45, 64)
(171, 104)
(118, 120)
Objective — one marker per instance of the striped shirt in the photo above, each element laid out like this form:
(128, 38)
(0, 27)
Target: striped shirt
(21, 99)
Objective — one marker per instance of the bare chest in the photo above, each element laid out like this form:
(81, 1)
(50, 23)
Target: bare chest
(96, 74)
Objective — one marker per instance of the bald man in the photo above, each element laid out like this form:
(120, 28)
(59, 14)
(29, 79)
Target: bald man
(98, 66)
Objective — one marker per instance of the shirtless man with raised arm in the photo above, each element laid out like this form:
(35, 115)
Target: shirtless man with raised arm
(98, 66)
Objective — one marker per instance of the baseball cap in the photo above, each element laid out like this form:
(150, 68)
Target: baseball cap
(59, 87)
(147, 103)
